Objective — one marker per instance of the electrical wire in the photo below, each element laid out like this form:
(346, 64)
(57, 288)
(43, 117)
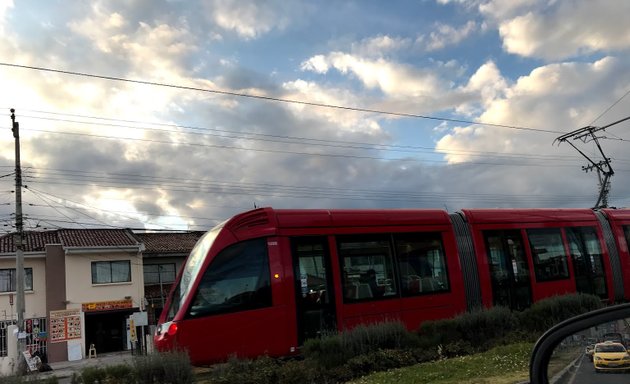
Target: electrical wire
(270, 98)
(274, 138)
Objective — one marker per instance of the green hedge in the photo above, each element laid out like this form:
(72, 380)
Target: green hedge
(340, 357)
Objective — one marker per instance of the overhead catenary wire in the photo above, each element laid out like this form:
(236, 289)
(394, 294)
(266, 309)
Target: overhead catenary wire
(271, 98)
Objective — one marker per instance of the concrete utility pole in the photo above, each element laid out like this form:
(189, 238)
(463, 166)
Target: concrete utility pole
(19, 236)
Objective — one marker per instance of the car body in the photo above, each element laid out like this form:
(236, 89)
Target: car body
(588, 351)
(610, 356)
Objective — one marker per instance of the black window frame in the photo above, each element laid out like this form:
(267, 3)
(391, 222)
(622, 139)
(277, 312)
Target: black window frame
(95, 271)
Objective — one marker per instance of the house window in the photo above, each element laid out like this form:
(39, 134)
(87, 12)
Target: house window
(159, 273)
(104, 272)
(8, 279)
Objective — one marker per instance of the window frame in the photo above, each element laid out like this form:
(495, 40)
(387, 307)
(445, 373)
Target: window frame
(13, 277)
(159, 274)
(393, 239)
(409, 237)
(538, 263)
(110, 263)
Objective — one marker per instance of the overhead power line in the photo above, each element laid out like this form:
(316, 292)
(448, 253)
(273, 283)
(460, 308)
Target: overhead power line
(283, 139)
(275, 99)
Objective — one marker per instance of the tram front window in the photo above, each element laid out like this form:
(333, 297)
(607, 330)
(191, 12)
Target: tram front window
(236, 280)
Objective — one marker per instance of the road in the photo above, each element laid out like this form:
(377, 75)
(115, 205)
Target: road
(583, 373)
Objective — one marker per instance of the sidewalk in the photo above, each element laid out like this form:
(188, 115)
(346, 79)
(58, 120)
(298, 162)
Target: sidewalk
(63, 370)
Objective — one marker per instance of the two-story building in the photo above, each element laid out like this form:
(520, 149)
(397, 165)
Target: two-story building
(80, 287)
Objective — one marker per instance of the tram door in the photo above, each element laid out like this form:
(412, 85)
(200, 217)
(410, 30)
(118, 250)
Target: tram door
(588, 266)
(509, 270)
(313, 287)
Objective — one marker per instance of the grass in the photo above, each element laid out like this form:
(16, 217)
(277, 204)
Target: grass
(500, 365)
(562, 357)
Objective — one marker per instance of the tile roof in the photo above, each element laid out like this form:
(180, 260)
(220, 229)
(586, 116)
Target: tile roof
(155, 243)
(35, 241)
(179, 242)
(96, 238)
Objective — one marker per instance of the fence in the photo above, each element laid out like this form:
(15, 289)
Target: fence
(36, 335)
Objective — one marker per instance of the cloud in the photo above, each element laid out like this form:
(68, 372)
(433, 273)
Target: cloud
(562, 29)
(249, 19)
(381, 45)
(445, 35)
(389, 77)
(550, 98)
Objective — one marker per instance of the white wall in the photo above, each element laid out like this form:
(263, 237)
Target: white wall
(79, 287)
(35, 300)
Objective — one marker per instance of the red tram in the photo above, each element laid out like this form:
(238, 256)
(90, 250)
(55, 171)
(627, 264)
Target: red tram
(265, 280)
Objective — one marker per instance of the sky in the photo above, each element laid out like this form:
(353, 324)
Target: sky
(172, 114)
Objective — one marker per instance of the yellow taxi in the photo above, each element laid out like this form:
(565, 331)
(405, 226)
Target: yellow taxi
(610, 356)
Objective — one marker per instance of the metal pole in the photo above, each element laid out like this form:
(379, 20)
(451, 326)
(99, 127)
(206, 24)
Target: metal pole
(19, 237)
(161, 287)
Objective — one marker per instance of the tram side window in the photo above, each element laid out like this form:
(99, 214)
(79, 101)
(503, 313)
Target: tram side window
(550, 259)
(626, 231)
(368, 268)
(236, 280)
(421, 263)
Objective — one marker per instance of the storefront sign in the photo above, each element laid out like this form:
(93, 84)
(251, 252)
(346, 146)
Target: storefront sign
(65, 325)
(107, 305)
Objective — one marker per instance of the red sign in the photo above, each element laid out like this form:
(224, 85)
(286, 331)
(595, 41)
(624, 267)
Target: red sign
(10, 299)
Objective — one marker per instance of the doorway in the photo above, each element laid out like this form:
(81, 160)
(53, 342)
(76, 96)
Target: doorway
(106, 330)
(314, 297)
(509, 270)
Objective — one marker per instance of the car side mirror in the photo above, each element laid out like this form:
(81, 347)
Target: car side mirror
(571, 344)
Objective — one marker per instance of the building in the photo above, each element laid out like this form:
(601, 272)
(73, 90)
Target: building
(82, 286)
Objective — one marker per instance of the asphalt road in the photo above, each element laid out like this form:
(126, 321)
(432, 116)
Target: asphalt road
(583, 373)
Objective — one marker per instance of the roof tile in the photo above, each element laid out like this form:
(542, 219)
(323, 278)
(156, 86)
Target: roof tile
(182, 242)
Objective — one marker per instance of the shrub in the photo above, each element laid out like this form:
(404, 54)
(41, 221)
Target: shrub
(92, 375)
(327, 352)
(120, 374)
(298, 372)
(51, 380)
(171, 367)
(469, 332)
(335, 349)
(546, 313)
(263, 370)
(380, 360)
(11, 379)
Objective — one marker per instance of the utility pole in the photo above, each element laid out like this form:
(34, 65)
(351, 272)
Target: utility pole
(19, 236)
